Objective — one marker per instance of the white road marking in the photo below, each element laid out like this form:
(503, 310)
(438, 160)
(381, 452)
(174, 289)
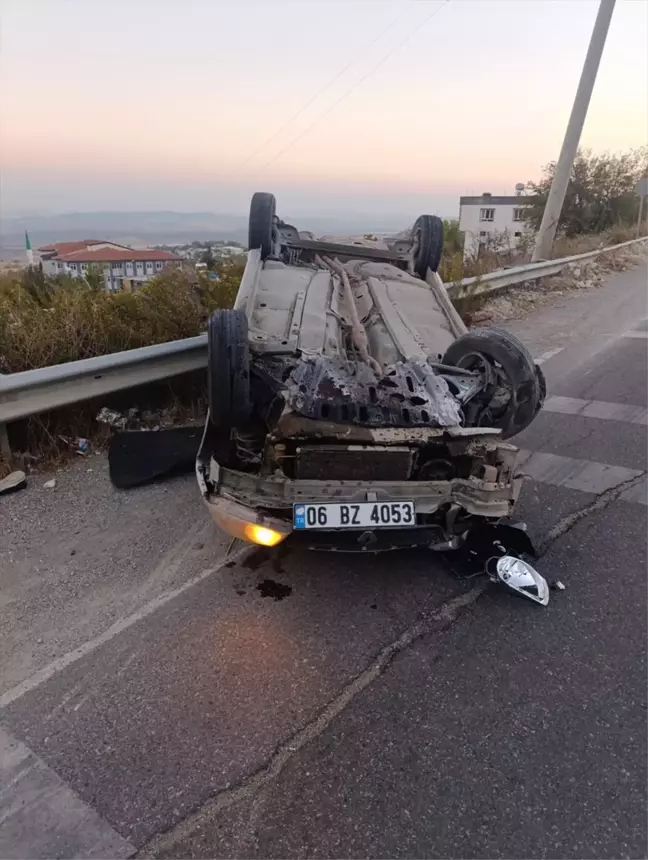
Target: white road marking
(633, 333)
(549, 354)
(597, 409)
(585, 476)
(41, 817)
(66, 660)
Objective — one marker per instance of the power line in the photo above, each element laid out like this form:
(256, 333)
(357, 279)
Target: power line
(352, 89)
(323, 89)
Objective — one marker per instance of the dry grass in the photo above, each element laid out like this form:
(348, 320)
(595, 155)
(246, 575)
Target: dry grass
(565, 247)
(44, 323)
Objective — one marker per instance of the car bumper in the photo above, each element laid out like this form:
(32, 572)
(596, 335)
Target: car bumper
(244, 505)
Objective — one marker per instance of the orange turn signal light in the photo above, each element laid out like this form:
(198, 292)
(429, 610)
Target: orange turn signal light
(262, 535)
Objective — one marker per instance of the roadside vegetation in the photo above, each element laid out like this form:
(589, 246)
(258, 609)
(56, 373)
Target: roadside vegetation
(600, 196)
(46, 321)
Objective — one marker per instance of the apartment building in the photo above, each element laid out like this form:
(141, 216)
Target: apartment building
(493, 221)
(123, 268)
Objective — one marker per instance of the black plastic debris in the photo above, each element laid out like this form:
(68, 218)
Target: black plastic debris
(140, 457)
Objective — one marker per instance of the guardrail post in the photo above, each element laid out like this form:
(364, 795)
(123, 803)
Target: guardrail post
(5, 448)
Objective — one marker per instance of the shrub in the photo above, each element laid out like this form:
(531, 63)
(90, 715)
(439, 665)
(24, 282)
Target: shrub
(46, 321)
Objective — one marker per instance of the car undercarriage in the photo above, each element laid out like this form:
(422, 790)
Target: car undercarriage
(348, 404)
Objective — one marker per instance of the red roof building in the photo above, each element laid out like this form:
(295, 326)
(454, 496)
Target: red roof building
(123, 267)
(112, 254)
(49, 251)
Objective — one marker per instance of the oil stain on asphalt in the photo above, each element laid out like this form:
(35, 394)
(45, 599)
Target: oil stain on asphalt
(271, 588)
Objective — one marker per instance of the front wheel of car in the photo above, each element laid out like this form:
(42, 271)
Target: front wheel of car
(228, 370)
(514, 386)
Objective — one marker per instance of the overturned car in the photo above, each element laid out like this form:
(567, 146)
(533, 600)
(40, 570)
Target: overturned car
(349, 406)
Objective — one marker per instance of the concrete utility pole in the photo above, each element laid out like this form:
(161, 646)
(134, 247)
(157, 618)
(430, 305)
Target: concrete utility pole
(556, 198)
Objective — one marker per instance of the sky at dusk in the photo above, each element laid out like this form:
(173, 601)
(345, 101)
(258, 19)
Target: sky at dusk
(401, 104)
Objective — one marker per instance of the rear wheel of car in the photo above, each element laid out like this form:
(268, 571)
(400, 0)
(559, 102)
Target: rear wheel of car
(261, 223)
(516, 387)
(427, 238)
(228, 369)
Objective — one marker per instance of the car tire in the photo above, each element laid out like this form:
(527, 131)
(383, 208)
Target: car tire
(261, 223)
(511, 359)
(228, 369)
(427, 235)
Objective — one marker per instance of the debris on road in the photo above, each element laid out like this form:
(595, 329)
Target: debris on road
(112, 418)
(500, 550)
(13, 482)
(138, 457)
(82, 446)
(49, 485)
(557, 585)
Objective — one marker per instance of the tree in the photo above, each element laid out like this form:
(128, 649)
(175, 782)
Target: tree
(94, 277)
(600, 192)
(453, 237)
(35, 283)
(208, 259)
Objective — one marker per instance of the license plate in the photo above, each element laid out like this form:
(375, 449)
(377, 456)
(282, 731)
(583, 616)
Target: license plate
(365, 515)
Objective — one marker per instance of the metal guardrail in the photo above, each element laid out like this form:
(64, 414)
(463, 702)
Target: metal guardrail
(43, 389)
(34, 391)
(502, 278)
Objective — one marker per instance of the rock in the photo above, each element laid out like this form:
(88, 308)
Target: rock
(482, 316)
(112, 418)
(13, 482)
(501, 309)
(49, 485)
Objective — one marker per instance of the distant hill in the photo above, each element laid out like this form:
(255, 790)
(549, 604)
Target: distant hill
(126, 227)
(170, 228)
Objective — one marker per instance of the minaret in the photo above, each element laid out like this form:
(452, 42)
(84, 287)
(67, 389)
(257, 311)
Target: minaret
(28, 250)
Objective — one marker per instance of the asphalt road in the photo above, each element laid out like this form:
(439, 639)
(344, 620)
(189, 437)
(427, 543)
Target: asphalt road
(153, 700)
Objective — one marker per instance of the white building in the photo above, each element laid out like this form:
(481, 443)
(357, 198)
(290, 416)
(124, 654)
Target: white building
(493, 222)
(123, 268)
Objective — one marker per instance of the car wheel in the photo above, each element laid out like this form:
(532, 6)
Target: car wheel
(228, 369)
(515, 389)
(261, 223)
(427, 238)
